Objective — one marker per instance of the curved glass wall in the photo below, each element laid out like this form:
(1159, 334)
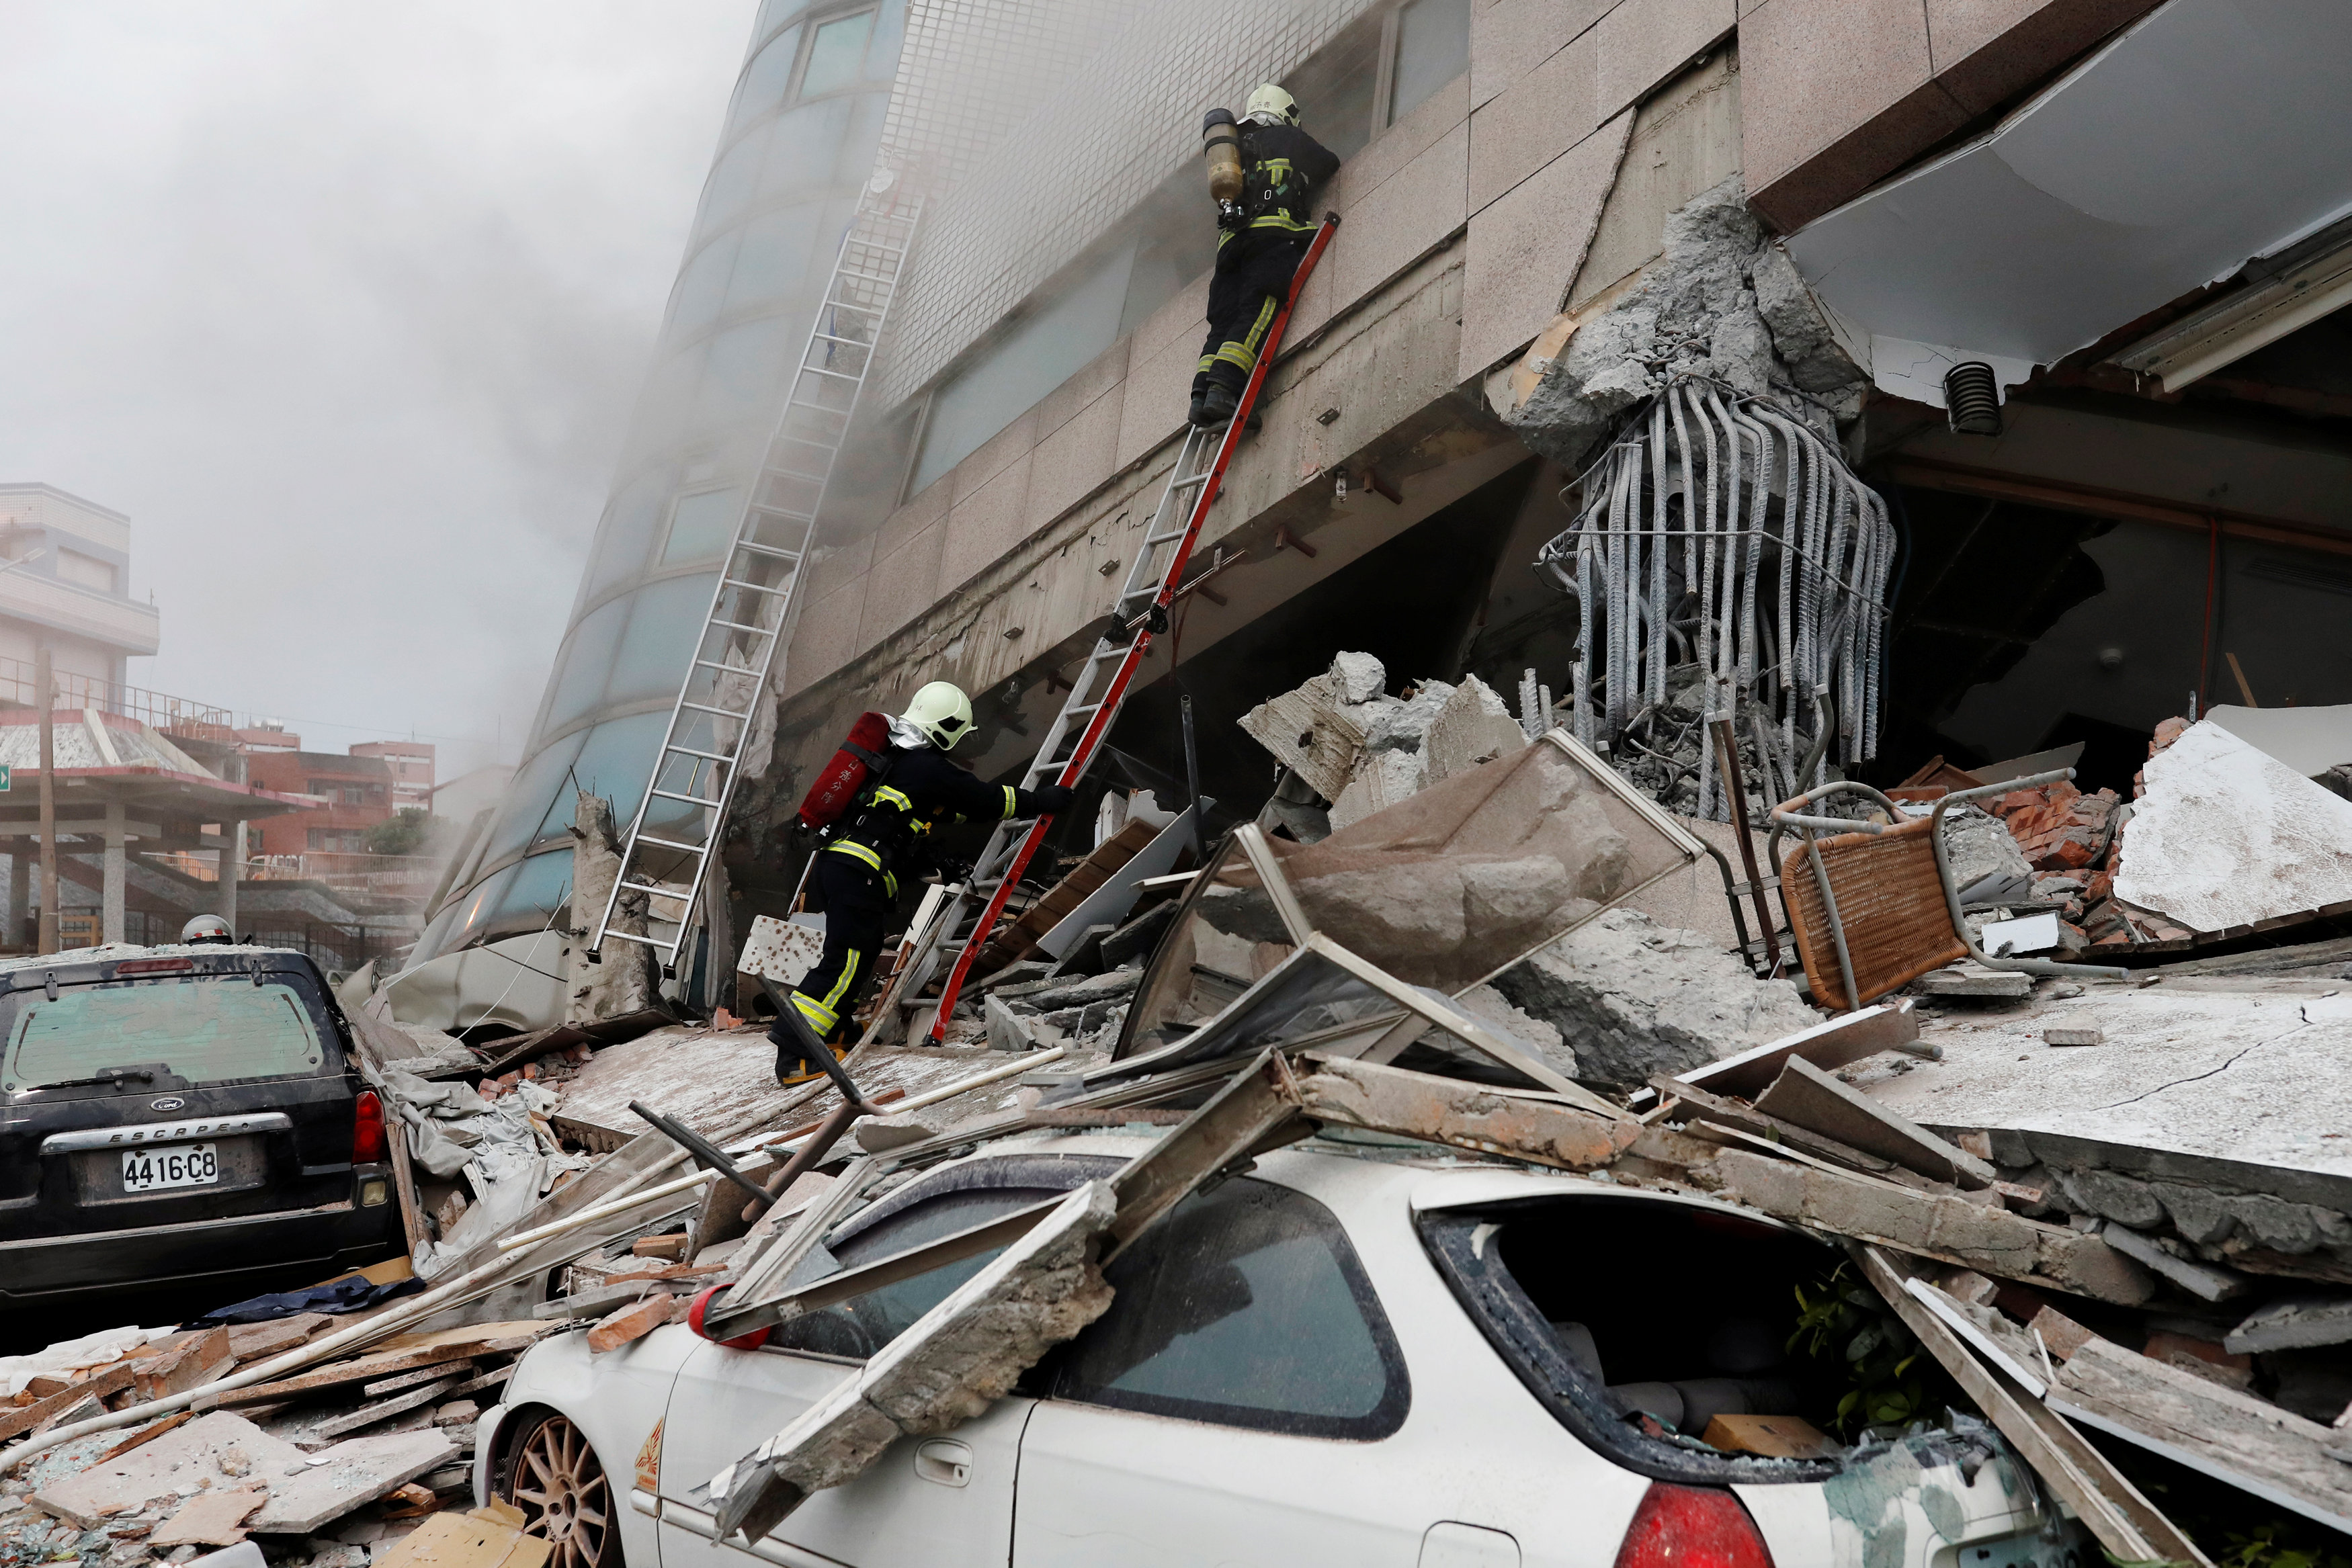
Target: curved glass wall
(800, 139)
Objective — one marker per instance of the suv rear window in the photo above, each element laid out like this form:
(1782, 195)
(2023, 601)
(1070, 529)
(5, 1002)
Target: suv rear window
(199, 1029)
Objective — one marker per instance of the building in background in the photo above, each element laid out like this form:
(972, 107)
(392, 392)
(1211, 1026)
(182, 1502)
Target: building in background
(67, 585)
(411, 771)
(357, 791)
(1546, 207)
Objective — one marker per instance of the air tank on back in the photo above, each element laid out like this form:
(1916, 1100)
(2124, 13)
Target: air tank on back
(1220, 147)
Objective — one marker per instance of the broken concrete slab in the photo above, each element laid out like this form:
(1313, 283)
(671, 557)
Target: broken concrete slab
(2298, 1322)
(1535, 1127)
(1381, 778)
(333, 1482)
(1316, 729)
(878, 1135)
(1948, 1228)
(2227, 836)
(1813, 1099)
(955, 1361)
(1968, 979)
(213, 1517)
(1830, 1044)
(1008, 1028)
(1631, 997)
(218, 1449)
(1473, 725)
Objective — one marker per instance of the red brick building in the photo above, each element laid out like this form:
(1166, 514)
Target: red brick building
(358, 791)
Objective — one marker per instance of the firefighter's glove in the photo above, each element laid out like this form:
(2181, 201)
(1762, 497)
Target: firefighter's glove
(1229, 217)
(1052, 799)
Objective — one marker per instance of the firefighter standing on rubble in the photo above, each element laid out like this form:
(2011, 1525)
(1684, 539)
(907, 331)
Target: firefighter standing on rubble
(1263, 233)
(886, 833)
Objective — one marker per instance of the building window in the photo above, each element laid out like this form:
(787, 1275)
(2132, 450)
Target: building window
(836, 55)
(337, 840)
(1433, 47)
(701, 526)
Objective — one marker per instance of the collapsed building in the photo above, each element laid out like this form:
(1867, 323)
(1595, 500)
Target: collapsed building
(1917, 412)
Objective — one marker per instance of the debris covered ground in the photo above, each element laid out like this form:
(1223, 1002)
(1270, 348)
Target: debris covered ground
(2107, 1216)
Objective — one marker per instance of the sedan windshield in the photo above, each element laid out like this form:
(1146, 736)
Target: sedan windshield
(199, 1029)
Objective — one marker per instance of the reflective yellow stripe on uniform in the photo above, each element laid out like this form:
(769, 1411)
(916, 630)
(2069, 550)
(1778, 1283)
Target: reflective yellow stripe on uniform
(1243, 354)
(821, 1018)
(1011, 801)
(856, 851)
(894, 797)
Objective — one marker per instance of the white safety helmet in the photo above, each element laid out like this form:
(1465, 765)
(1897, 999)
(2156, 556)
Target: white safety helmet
(207, 928)
(1269, 105)
(942, 712)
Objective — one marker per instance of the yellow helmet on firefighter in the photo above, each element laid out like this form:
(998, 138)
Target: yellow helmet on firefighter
(942, 712)
(1269, 105)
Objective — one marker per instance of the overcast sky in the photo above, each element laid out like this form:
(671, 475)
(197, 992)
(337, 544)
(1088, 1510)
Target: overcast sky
(345, 306)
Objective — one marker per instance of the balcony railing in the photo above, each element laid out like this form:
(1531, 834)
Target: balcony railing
(157, 710)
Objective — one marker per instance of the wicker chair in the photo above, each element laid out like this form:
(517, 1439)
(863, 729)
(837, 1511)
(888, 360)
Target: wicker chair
(1873, 906)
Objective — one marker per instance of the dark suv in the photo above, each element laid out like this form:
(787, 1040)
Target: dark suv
(183, 1116)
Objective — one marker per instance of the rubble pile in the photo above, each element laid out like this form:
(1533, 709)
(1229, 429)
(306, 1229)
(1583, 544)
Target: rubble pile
(2068, 1203)
(328, 1466)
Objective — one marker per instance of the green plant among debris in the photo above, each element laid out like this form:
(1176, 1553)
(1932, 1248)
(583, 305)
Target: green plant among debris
(1842, 1319)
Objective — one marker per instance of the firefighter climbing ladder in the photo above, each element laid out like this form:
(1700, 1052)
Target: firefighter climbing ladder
(1154, 581)
(667, 854)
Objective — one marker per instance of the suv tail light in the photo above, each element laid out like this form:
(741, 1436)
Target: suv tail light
(369, 1145)
(1692, 1527)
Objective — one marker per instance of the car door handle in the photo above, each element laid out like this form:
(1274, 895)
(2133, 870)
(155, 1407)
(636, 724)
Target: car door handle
(946, 1463)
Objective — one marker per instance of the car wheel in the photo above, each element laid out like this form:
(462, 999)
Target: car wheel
(555, 1478)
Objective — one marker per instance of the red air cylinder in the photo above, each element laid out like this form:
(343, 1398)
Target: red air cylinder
(852, 766)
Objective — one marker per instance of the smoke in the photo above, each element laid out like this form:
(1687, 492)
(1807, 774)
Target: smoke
(346, 308)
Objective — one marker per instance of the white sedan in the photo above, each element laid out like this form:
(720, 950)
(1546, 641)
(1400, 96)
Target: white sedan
(1357, 1354)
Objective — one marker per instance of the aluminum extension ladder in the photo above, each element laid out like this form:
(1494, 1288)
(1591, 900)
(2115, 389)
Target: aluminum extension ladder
(1154, 581)
(755, 602)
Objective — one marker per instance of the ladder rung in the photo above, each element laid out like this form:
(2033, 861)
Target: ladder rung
(631, 936)
(691, 799)
(1192, 482)
(729, 669)
(706, 756)
(792, 474)
(673, 844)
(766, 509)
(852, 342)
(836, 375)
(768, 550)
(753, 587)
(739, 626)
(721, 712)
(655, 889)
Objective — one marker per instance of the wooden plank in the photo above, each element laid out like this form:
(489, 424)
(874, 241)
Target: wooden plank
(20, 1419)
(195, 1360)
(258, 1341)
(369, 1368)
(404, 1183)
(411, 1379)
(2234, 1438)
(1813, 1098)
(1697, 1105)
(2126, 1523)
(322, 1432)
(633, 1323)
